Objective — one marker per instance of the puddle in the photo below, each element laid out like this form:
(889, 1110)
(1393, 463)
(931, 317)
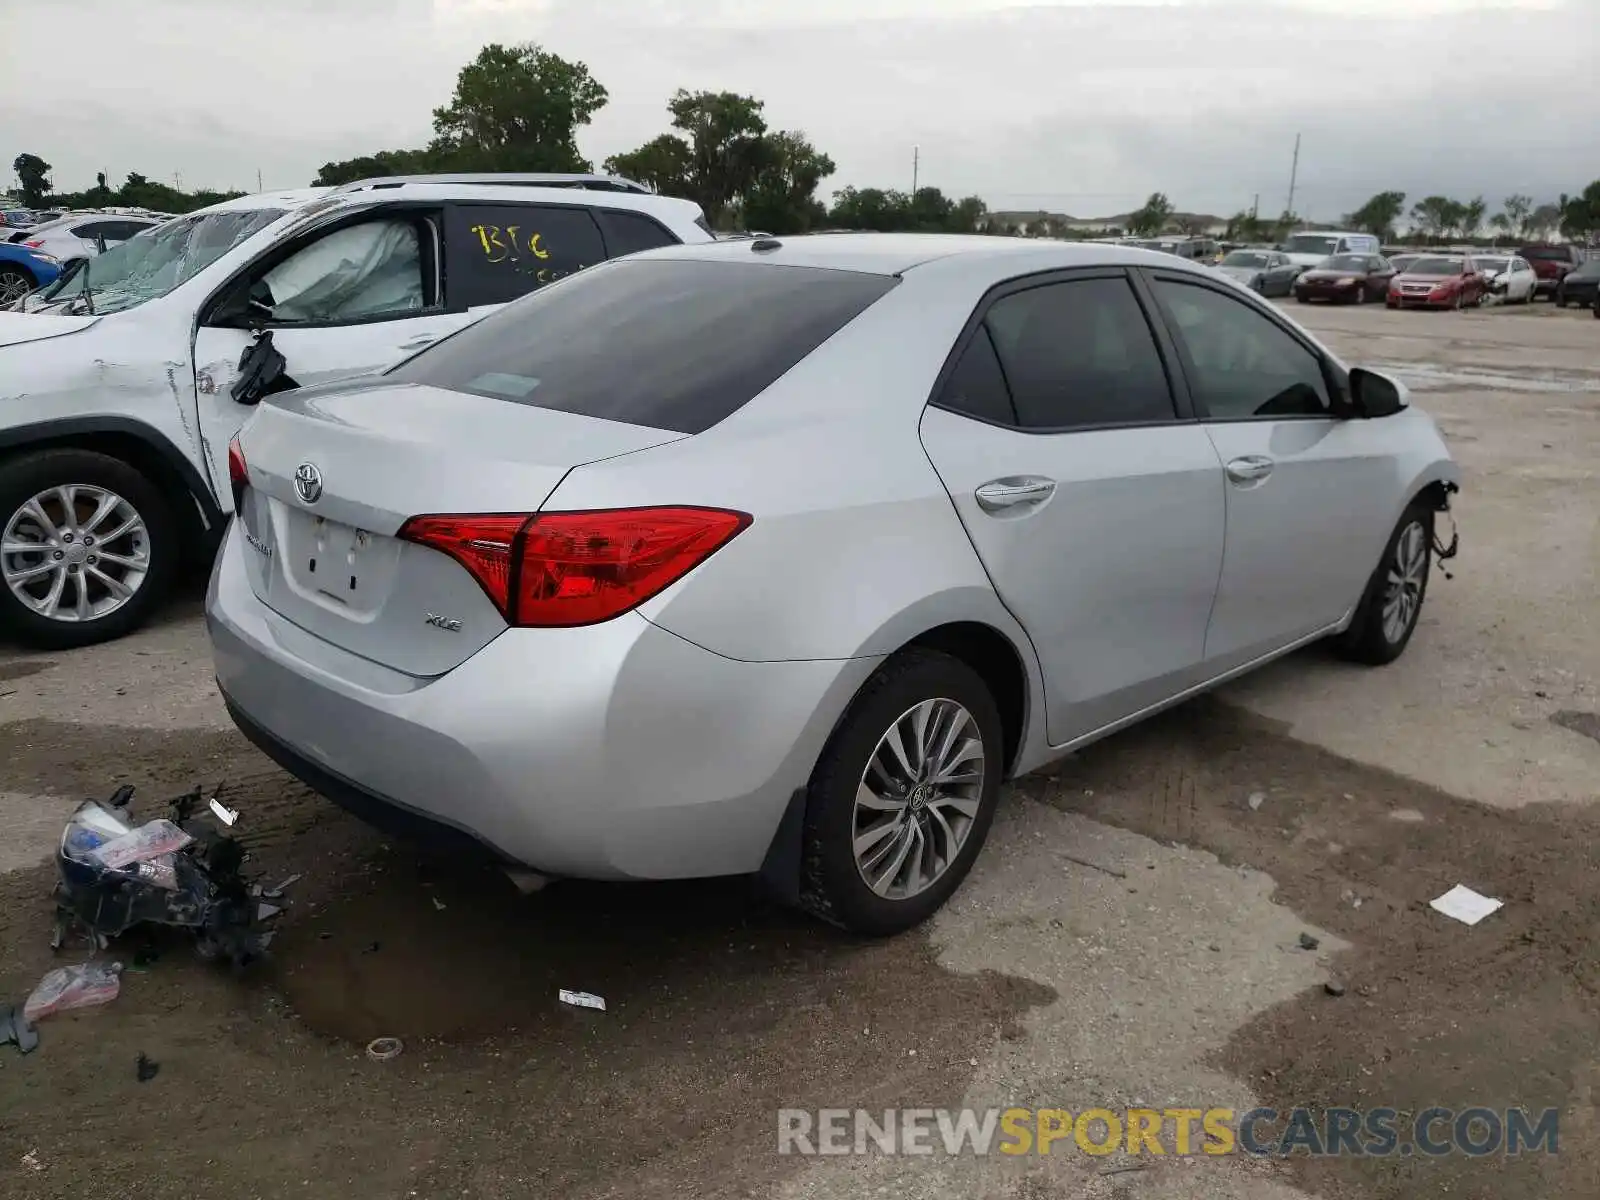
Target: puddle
(1433, 377)
(10, 672)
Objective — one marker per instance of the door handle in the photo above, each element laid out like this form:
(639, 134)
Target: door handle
(1013, 491)
(417, 343)
(1252, 468)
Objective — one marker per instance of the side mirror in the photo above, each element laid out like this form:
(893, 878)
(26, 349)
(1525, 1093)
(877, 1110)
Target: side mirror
(1374, 394)
(261, 369)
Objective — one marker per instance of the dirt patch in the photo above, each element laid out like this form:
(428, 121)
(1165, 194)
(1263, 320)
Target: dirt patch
(1501, 1014)
(21, 668)
(721, 1010)
(1586, 723)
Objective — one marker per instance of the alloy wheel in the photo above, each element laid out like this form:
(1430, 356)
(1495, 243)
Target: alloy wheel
(75, 553)
(14, 285)
(1402, 597)
(918, 798)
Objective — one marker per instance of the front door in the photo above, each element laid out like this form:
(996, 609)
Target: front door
(1305, 487)
(355, 300)
(1096, 508)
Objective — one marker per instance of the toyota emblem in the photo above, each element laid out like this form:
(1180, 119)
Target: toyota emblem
(308, 482)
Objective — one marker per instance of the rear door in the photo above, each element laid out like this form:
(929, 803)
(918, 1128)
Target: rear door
(344, 301)
(1307, 491)
(1093, 498)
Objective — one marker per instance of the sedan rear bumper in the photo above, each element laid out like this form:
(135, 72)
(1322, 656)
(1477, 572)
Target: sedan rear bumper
(612, 751)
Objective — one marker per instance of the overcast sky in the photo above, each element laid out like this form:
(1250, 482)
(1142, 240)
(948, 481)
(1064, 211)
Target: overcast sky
(1081, 107)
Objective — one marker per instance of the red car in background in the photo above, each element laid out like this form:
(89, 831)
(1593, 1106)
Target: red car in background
(1551, 264)
(1437, 281)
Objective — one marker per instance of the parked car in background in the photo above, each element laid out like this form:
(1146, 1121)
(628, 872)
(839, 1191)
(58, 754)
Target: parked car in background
(1268, 272)
(1191, 249)
(1437, 281)
(1578, 285)
(126, 377)
(1551, 263)
(1510, 279)
(1345, 279)
(576, 555)
(23, 270)
(83, 236)
(17, 218)
(1309, 249)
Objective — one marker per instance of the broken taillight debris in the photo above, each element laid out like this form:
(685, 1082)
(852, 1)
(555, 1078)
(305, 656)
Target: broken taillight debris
(577, 568)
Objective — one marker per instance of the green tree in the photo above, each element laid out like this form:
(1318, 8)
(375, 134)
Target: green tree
(876, 209)
(1471, 216)
(968, 215)
(33, 178)
(783, 196)
(517, 108)
(1512, 219)
(1580, 215)
(1542, 222)
(1152, 218)
(1435, 215)
(661, 164)
(374, 166)
(1379, 214)
(1245, 226)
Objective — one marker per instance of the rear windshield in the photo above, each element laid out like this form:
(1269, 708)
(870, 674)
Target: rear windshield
(673, 344)
(1548, 253)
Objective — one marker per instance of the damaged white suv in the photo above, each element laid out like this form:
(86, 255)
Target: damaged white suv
(122, 383)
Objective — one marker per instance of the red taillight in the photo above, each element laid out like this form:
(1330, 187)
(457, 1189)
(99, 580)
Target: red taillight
(238, 473)
(577, 568)
(33, 243)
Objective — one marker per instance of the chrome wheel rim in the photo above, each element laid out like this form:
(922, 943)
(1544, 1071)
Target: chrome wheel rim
(1402, 598)
(13, 287)
(75, 553)
(918, 799)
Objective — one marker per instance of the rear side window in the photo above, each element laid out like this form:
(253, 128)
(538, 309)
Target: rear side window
(665, 343)
(495, 253)
(628, 233)
(977, 385)
(1079, 354)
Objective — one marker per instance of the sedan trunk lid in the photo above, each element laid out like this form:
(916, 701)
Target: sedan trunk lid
(335, 472)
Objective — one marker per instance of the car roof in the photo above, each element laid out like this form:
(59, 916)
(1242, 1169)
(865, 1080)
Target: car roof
(442, 188)
(898, 253)
(79, 218)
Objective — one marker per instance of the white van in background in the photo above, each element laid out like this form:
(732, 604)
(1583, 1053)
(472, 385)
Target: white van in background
(1309, 248)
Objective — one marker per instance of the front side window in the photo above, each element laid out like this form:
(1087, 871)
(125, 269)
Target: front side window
(496, 253)
(1079, 354)
(1241, 363)
(142, 269)
(358, 273)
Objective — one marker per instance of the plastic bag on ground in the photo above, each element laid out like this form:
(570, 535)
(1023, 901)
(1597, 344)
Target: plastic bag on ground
(80, 986)
(150, 840)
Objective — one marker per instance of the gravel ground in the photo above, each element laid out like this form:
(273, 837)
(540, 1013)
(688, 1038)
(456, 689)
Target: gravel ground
(1133, 934)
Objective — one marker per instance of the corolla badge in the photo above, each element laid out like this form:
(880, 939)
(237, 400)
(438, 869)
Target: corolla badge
(308, 482)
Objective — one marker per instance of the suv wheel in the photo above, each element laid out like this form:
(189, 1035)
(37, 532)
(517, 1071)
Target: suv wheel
(902, 798)
(88, 547)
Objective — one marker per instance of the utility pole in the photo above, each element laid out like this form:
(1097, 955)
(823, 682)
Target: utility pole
(177, 179)
(916, 167)
(1255, 208)
(259, 188)
(1294, 174)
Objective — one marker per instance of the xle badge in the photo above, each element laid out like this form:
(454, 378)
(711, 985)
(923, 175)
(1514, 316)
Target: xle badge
(449, 624)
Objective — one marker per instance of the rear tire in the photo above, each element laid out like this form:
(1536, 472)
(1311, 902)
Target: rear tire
(898, 818)
(142, 560)
(1392, 603)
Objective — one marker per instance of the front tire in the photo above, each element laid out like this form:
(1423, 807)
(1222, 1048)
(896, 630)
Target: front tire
(88, 548)
(903, 795)
(1390, 607)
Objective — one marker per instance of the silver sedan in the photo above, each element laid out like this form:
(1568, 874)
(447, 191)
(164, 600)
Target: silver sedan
(778, 556)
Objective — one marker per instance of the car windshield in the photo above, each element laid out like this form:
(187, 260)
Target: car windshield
(1343, 262)
(1245, 258)
(1436, 266)
(148, 267)
(1311, 243)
